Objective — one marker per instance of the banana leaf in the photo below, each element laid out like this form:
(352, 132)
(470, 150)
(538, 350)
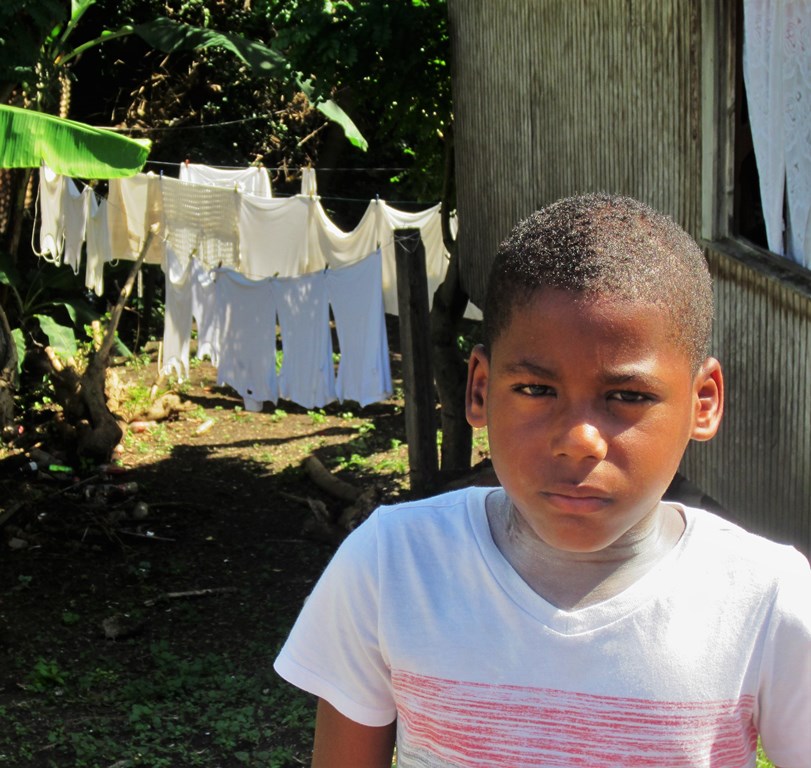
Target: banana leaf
(27, 138)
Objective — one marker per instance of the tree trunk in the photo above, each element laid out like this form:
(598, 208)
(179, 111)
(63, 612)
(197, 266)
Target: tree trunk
(450, 369)
(83, 397)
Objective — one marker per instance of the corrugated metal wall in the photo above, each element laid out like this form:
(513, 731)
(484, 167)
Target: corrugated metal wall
(554, 97)
(758, 464)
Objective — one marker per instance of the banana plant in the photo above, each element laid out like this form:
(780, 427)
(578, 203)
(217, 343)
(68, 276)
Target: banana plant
(170, 36)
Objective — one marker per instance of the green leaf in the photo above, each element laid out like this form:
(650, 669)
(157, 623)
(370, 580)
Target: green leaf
(60, 337)
(171, 36)
(19, 342)
(69, 307)
(27, 138)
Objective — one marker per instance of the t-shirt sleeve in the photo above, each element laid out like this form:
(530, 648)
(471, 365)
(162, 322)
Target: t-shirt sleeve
(784, 705)
(333, 650)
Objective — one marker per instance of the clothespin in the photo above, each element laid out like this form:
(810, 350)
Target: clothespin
(187, 162)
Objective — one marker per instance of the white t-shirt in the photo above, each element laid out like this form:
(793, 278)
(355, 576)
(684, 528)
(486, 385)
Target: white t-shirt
(246, 312)
(307, 376)
(419, 617)
(356, 296)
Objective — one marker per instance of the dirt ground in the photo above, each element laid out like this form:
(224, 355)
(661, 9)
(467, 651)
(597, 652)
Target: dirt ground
(99, 649)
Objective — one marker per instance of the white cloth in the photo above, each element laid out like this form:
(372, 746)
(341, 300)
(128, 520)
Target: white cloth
(309, 186)
(134, 206)
(98, 244)
(52, 215)
(74, 206)
(777, 76)
(356, 296)
(307, 376)
(339, 248)
(253, 179)
(201, 221)
(247, 342)
(420, 617)
(204, 311)
(376, 230)
(178, 316)
(274, 237)
(797, 95)
(429, 223)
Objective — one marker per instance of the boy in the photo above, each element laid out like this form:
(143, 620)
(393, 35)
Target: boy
(570, 617)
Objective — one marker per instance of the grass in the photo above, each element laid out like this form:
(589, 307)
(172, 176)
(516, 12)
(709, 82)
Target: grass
(178, 709)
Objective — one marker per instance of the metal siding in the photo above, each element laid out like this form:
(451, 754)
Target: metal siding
(554, 97)
(757, 467)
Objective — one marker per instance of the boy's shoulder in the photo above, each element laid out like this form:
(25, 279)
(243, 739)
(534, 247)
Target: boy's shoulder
(462, 498)
(451, 516)
(722, 544)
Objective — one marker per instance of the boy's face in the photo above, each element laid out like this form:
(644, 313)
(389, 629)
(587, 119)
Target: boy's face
(589, 407)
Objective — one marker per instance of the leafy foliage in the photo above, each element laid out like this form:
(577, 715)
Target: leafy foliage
(391, 57)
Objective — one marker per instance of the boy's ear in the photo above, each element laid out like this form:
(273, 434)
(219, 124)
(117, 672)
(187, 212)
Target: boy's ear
(708, 389)
(478, 374)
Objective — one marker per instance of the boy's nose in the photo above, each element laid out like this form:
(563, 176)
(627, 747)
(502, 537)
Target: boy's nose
(580, 438)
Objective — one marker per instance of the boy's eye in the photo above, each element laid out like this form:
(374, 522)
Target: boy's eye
(534, 390)
(628, 396)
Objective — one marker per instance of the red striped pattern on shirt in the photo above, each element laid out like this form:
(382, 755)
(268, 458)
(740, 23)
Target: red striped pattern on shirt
(476, 725)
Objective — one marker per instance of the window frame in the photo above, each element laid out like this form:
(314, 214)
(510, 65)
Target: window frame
(720, 75)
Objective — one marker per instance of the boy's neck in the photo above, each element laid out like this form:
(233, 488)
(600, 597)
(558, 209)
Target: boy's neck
(573, 580)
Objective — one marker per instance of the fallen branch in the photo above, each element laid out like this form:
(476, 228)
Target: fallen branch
(327, 482)
(189, 593)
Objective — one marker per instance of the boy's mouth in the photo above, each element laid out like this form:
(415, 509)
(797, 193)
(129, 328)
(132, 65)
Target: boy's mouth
(577, 499)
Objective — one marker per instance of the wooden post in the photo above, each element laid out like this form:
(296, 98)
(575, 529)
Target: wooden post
(415, 348)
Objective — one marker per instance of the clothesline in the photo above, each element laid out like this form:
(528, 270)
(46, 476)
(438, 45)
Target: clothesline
(279, 168)
(327, 198)
(56, 259)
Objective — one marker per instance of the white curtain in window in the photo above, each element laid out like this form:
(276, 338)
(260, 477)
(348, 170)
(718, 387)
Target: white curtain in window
(777, 76)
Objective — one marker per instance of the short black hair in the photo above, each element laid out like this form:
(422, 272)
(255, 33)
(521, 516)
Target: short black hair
(601, 245)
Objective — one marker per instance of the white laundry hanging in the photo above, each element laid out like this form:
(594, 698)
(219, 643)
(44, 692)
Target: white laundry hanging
(253, 179)
(307, 376)
(201, 221)
(135, 206)
(98, 252)
(204, 311)
(274, 236)
(247, 340)
(52, 215)
(309, 187)
(364, 372)
(178, 315)
(74, 206)
(339, 248)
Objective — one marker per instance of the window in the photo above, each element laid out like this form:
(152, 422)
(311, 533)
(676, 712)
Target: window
(757, 129)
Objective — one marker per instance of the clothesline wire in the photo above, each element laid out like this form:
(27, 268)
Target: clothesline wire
(268, 168)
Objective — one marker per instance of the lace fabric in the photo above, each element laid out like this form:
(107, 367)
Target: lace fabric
(777, 76)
